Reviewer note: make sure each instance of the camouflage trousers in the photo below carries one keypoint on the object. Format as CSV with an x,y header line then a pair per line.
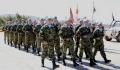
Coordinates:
x,y
87,47
99,46
32,38
15,38
27,40
11,37
57,46
5,36
20,38
38,43
48,50
68,43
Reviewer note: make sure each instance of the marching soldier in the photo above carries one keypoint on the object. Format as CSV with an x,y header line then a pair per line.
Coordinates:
x,y
99,44
27,29
85,43
33,37
8,31
67,33
5,33
47,36
37,32
14,27
57,38
20,34
11,35
77,38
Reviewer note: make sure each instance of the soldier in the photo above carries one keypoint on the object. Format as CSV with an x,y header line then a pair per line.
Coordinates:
x,y
4,29
8,31
37,32
77,38
14,27
85,43
92,30
11,35
67,33
5,32
33,38
20,33
99,44
27,29
47,36
57,38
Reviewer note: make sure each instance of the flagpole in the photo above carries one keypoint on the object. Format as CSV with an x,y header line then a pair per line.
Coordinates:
x,y
93,12
77,12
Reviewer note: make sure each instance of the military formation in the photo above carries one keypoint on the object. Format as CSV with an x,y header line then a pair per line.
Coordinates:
x,y
56,40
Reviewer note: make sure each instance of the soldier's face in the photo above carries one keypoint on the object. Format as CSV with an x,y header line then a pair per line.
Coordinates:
x,y
50,21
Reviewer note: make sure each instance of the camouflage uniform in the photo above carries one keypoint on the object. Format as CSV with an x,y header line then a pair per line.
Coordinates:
x,y
47,34
99,44
32,39
5,33
85,43
57,41
77,38
92,30
27,31
38,41
11,35
15,35
66,33
20,35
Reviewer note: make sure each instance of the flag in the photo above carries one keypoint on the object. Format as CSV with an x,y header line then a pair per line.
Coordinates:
x,y
71,18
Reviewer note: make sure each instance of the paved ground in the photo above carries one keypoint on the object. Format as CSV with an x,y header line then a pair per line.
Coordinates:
x,y
13,59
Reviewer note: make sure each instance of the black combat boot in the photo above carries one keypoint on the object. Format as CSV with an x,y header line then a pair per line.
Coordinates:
x,y
8,43
74,62
19,47
106,60
64,63
54,64
69,53
24,47
27,48
15,45
58,56
42,62
38,51
33,50
59,59
11,44
92,63
80,60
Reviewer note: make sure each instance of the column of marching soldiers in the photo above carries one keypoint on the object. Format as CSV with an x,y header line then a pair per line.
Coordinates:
x,y
53,39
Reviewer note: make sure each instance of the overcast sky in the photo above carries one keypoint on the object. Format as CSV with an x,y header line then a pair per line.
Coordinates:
x,y
60,8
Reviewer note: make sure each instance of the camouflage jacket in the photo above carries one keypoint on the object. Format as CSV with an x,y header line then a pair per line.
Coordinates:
x,y
48,32
66,32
